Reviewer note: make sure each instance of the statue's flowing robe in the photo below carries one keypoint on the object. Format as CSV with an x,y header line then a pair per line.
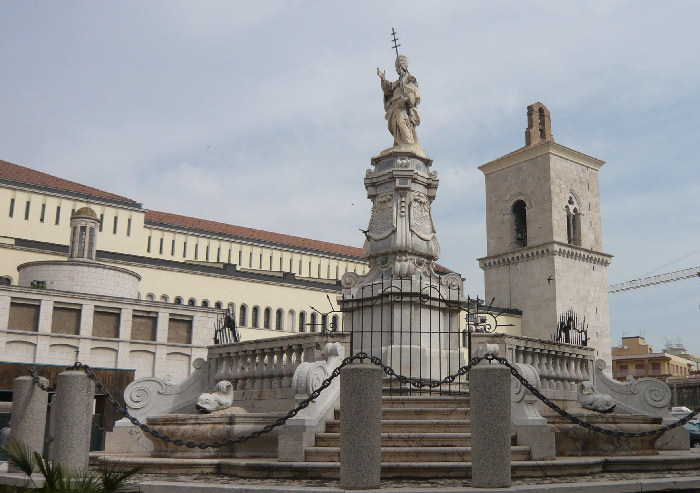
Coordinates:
x,y
402,116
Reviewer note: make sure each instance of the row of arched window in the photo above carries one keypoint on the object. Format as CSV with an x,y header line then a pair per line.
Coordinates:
x,y
259,318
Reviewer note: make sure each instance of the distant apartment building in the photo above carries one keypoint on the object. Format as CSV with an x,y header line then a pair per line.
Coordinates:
x,y
636,359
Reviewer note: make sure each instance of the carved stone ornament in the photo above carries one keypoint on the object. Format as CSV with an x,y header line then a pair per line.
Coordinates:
x,y
382,223
350,279
645,396
421,221
309,376
222,398
592,400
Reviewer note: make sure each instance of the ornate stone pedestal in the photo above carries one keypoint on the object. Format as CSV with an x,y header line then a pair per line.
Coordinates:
x,y
403,310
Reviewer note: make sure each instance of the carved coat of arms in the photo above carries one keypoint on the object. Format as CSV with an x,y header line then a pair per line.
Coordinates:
x,y
421,221
382,222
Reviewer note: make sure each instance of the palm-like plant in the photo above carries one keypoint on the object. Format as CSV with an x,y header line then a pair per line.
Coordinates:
x,y
111,477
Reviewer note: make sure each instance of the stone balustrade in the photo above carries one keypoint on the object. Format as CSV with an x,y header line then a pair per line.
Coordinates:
x,y
561,366
268,374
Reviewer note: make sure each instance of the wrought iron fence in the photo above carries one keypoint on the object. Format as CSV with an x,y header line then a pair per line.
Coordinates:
x,y
412,325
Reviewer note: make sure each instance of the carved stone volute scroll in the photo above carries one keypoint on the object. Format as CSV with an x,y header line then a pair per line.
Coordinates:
x,y
644,396
309,376
522,409
150,396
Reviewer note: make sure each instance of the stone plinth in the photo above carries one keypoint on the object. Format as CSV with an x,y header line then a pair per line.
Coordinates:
x,y
28,413
489,386
72,415
360,426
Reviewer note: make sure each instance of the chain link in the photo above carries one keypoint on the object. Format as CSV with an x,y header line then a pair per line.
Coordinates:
x,y
37,380
514,371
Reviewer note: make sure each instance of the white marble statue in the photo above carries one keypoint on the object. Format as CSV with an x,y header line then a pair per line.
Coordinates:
x,y
401,98
590,399
222,398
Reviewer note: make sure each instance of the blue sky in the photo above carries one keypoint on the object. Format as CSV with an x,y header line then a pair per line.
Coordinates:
x,y
266,114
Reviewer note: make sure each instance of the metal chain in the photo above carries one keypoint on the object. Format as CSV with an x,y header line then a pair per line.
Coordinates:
x,y
414,382
280,421
37,380
514,371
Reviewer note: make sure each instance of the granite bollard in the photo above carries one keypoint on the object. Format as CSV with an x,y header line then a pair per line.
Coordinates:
x,y
28,415
360,426
489,393
72,417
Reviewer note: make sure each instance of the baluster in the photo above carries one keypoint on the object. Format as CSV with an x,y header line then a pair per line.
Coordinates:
x,y
585,368
288,370
278,368
568,377
219,364
235,369
249,369
541,358
556,372
519,356
258,368
268,367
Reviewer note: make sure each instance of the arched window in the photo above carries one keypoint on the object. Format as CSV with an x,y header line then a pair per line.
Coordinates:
x,y
279,319
192,302
230,307
314,321
324,323
218,304
164,298
178,300
150,297
5,281
243,316
302,321
519,215
335,323
205,303
291,319
256,317
267,320
573,222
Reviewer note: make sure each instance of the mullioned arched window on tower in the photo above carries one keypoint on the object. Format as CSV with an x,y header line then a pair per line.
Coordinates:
x,y
573,222
519,230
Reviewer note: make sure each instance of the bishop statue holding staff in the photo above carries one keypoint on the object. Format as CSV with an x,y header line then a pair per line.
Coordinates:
x,y
400,100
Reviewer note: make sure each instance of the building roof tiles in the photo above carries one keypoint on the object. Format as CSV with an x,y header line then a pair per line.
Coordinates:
x,y
17,173
255,234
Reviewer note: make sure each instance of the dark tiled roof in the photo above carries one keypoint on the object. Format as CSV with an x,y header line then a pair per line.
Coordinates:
x,y
15,172
255,234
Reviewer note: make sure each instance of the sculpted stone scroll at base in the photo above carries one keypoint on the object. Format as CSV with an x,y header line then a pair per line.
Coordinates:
x,y
644,396
150,396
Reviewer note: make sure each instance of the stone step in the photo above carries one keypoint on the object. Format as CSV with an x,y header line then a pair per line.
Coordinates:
x,y
414,413
424,401
408,439
413,454
414,426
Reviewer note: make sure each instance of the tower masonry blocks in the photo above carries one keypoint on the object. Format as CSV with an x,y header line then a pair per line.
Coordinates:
x,y
544,235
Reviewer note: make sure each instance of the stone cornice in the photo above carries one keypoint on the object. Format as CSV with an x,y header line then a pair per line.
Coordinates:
x,y
540,149
554,248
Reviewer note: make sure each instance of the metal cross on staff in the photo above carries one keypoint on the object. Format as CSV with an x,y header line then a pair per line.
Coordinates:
x,y
401,69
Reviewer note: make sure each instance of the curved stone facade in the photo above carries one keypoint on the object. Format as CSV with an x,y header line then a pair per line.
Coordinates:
x,y
81,277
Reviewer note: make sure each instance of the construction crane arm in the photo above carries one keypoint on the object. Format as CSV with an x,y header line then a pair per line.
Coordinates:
x,y
652,280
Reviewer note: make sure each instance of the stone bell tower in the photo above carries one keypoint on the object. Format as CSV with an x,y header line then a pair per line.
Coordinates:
x,y
544,236
403,311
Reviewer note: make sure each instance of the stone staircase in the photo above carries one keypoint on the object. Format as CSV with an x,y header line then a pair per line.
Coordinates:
x,y
423,429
